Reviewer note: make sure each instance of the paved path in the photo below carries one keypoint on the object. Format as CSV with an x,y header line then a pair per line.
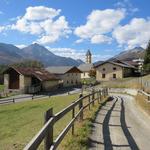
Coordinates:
x,y
26,97
120,125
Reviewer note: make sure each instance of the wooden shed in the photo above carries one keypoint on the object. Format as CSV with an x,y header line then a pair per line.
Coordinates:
x,y
29,80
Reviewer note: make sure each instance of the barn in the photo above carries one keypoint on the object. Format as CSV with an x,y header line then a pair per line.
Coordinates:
x,y
29,80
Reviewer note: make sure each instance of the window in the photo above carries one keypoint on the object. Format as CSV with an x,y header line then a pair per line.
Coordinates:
x,y
76,82
67,82
71,81
114,68
103,75
104,69
76,74
114,76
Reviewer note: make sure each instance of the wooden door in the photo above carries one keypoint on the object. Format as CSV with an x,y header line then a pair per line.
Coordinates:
x,y
13,79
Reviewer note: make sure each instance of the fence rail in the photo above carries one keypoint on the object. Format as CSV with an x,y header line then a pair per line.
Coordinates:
x,y
145,94
13,100
46,133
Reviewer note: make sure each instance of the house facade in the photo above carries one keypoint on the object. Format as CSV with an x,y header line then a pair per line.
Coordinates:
x,y
29,80
69,75
87,66
113,70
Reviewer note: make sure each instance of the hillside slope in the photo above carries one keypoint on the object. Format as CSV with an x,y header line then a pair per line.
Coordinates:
x,y
11,54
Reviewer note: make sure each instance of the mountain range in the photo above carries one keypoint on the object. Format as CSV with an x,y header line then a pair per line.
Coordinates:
x,y
129,55
11,54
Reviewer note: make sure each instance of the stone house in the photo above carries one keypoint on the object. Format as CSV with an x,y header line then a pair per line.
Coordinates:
x,y
69,75
86,67
29,80
111,70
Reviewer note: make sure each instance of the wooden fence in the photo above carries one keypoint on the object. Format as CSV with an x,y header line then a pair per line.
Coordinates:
x,y
46,133
15,99
143,100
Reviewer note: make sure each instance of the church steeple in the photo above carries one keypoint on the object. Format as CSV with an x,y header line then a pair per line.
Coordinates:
x,y
88,57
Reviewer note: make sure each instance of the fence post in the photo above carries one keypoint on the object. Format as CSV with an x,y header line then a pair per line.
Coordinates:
x,y
89,102
104,93
148,98
80,107
93,97
13,100
73,115
49,137
99,96
107,91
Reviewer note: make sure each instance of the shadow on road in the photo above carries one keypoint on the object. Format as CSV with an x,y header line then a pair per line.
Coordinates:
x,y
124,127
106,131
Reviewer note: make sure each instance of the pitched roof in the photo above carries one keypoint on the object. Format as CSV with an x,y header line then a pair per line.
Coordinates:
x,y
61,69
119,63
41,74
88,53
85,67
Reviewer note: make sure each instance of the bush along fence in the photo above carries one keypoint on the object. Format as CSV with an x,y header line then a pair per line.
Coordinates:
x,y
46,133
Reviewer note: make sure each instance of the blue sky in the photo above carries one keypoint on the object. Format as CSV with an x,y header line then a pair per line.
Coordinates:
x,y
68,28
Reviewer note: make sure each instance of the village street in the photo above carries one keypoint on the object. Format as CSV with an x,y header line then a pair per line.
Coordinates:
x,y
120,124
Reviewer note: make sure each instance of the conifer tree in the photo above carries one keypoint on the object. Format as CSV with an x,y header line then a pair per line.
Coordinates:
x,y
147,59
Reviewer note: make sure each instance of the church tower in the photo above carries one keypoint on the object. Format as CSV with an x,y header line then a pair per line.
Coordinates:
x,y
88,57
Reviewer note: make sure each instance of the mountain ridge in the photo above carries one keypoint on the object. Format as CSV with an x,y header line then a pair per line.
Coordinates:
x,y
12,54
129,55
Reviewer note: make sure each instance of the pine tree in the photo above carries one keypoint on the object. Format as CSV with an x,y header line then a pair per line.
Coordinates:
x,y
147,59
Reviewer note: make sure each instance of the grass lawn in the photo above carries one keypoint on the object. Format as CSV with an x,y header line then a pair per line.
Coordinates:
x,y
131,82
80,140
21,121
1,87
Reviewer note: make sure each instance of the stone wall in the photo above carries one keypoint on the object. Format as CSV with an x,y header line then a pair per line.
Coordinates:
x,y
85,75
49,85
6,80
108,72
71,79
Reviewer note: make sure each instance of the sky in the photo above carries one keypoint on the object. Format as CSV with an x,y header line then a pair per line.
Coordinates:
x,y
70,27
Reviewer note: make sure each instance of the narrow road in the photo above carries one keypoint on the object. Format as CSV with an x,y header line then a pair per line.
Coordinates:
x,y
120,125
27,97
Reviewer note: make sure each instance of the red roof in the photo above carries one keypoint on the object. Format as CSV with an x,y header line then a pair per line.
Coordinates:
x,y
41,74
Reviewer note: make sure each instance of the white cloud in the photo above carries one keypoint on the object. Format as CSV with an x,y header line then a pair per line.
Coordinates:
x,y
127,5
69,52
54,30
41,13
136,33
77,54
79,41
2,28
96,39
42,21
99,23
21,46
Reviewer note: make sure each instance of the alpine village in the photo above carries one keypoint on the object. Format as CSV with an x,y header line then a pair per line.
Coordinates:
x,y
94,95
